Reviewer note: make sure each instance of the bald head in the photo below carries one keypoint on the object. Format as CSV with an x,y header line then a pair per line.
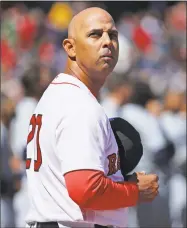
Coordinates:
x,y
92,45
84,17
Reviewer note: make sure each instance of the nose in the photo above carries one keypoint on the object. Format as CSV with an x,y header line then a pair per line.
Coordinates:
x,y
107,42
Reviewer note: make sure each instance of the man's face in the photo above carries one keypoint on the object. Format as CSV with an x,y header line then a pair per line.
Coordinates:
x,y
96,45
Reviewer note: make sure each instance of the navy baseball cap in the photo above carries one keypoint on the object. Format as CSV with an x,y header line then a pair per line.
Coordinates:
x,y
129,144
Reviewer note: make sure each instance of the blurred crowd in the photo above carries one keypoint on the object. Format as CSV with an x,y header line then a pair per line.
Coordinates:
x,y
147,88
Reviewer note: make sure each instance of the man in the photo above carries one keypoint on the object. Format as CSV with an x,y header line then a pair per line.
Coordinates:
x,y
158,152
72,156
10,166
174,125
19,131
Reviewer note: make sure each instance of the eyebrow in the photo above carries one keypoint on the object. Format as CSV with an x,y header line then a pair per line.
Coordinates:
x,y
113,31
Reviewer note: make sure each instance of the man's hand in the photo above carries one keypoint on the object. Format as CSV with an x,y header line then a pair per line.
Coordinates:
x,y
148,186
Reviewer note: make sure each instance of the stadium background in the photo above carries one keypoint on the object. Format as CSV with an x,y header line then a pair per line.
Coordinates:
x,y
147,87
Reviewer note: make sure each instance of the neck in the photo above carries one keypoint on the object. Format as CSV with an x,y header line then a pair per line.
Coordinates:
x,y
74,70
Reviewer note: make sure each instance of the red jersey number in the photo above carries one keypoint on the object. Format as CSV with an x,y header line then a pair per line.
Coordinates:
x,y
35,121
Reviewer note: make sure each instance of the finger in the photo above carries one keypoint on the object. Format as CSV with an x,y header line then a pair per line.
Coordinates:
x,y
142,172
155,177
153,194
150,197
155,185
149,186
150,191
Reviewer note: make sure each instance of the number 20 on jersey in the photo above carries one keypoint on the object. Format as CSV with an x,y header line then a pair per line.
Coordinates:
x,y
36,123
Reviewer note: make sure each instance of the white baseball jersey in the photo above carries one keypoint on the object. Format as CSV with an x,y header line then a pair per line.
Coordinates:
x,y
68,131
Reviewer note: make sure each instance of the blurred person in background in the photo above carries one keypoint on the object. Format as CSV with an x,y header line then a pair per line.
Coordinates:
x,y
34,83
174,124
10,166
173,121
119,90
142,112
170,72
24,109
154,107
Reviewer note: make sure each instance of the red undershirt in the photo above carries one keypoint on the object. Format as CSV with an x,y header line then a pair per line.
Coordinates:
x,y
91,189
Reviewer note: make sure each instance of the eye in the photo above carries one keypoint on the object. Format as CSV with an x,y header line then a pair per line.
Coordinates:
x,y
95,34
113,36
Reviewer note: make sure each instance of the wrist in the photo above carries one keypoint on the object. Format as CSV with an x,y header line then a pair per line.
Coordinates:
x,y
132,178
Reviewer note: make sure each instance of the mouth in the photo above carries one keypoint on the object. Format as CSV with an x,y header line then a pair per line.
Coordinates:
x,y
107,56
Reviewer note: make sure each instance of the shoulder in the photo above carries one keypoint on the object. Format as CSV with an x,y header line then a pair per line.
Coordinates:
x,y
68,88
88,109
73,99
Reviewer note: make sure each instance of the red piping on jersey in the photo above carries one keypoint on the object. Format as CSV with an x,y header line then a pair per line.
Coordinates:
x,y
67,83
91,189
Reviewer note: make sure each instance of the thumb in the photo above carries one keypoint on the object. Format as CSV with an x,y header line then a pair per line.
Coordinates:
x,y
141,173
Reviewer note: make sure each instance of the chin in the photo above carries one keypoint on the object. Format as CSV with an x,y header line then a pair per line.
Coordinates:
x,y
107,68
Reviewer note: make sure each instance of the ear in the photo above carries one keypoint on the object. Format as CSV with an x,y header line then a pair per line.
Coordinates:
x,y
69,46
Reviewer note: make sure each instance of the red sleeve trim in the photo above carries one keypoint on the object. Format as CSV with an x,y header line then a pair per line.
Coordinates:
x,y
91,189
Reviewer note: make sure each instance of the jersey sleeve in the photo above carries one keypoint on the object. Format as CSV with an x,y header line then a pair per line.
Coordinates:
x,y
81,140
